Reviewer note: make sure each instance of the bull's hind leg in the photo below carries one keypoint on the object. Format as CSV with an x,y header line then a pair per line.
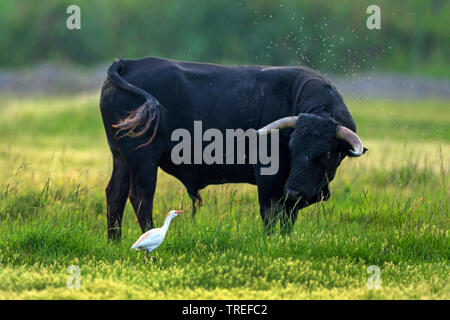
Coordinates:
x,y
196,199
143,184
116,196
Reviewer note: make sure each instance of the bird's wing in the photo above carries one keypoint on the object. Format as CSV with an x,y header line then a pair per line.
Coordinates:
x,y
152,242
150,238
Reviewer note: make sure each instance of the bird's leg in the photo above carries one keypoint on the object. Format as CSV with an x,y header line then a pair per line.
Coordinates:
x,y
149,257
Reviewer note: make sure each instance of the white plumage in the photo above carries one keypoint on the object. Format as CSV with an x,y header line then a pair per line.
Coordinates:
x,y
153,238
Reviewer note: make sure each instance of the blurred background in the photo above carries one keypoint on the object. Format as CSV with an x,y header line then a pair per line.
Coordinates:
x,y
407,58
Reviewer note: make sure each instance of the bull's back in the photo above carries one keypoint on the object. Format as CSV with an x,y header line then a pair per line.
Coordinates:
x,y
220,96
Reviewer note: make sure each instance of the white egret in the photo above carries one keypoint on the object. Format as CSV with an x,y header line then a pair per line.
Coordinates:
x,y
153,238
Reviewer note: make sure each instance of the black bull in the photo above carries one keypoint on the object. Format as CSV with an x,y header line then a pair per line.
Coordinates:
x,y
143,101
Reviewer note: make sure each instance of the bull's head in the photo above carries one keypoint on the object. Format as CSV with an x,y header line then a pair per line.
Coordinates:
x,y
317,146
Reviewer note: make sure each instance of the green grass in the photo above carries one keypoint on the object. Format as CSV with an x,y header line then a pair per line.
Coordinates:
x,y
388,208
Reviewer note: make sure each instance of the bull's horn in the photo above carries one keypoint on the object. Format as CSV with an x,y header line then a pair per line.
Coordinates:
x,y
352,138
288,122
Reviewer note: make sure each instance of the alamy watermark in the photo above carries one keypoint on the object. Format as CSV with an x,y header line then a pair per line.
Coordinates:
x,y
235,139
374,281
73,21
74,280
374,20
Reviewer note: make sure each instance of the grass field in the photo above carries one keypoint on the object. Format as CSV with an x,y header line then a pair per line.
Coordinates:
x,y
388,208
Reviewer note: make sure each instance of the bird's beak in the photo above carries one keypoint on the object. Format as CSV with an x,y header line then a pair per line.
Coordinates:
x,y
179,211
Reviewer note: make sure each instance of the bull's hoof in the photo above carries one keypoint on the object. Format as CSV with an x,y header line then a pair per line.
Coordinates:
x,y
114,236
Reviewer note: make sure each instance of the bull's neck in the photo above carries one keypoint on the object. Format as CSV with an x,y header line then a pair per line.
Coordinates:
x,y
304,98
322,105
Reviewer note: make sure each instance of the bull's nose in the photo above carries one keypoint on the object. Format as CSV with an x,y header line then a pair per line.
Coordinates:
x,y
292,194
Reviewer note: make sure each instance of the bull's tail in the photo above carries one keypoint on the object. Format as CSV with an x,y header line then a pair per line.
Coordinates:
x,y
140,120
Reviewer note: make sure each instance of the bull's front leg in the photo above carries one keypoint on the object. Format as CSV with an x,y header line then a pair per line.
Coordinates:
x,y
271,195
271,206
291,208
281,210
269,217
288,217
